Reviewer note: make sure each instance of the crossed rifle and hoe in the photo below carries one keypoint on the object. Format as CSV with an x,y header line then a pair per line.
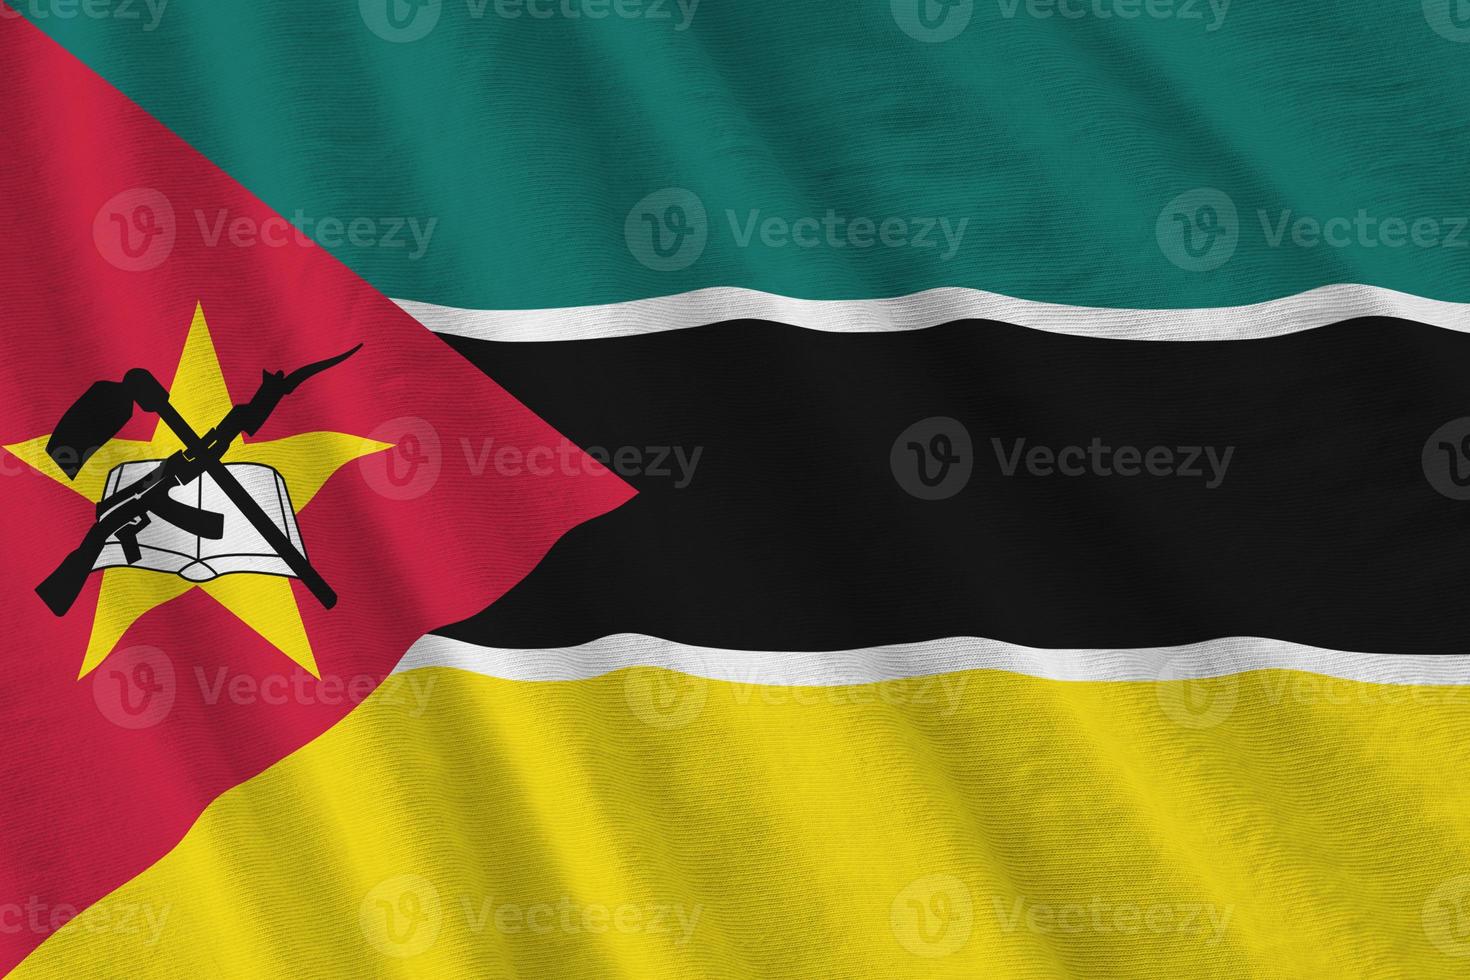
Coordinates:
x,y
99,415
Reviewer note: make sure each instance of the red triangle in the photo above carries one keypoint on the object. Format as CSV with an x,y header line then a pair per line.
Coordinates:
x,y
87,803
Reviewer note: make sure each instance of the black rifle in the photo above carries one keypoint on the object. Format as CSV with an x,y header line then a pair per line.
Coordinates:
x,y
101,413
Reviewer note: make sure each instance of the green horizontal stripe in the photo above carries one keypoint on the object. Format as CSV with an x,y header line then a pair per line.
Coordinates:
x,y
1050,145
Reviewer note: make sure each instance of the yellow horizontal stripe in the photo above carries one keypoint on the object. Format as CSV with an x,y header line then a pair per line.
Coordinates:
x,y
646,824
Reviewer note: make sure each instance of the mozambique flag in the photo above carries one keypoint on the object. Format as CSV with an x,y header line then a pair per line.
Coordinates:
x,y
667,489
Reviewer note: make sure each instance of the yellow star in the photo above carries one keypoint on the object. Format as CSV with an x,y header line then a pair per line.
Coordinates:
x,y
265,603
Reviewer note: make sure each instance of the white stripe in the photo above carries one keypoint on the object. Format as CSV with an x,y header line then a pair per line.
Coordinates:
x,y
1214,658
1304,311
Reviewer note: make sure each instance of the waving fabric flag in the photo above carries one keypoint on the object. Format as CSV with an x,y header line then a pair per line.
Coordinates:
x,y
1051,441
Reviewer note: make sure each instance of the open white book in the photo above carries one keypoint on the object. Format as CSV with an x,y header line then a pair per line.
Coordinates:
x,y
169,549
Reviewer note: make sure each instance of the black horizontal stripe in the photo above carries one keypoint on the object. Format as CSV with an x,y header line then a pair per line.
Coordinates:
x,y
794,532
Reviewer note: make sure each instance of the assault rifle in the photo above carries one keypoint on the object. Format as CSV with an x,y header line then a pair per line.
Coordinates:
x,y
96,419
